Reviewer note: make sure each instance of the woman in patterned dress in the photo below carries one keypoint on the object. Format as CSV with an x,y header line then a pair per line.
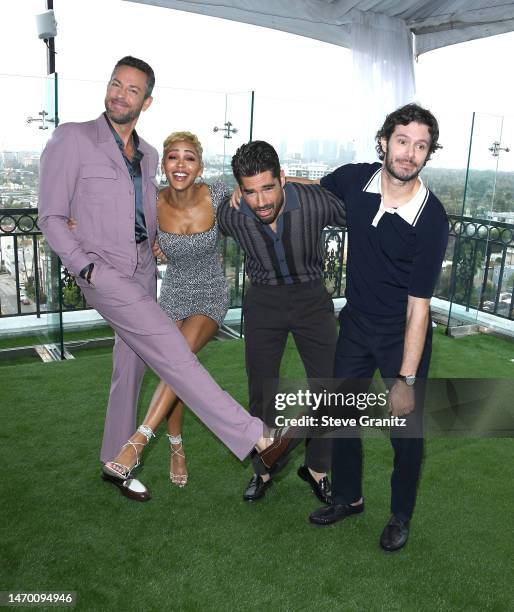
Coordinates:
x,y
194,291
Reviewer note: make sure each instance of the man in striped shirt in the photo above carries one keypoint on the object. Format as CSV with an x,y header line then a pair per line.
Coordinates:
x,y
279,226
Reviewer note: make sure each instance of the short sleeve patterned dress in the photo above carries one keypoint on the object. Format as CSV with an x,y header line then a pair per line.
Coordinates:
x,y
194,282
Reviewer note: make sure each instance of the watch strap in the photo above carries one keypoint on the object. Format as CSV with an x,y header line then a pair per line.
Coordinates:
x,y
410,379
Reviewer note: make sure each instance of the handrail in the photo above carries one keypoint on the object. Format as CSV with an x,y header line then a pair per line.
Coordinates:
x,y
479,276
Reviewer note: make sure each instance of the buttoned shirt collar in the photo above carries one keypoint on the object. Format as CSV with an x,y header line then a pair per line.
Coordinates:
x,y
409,211
138,155
291,202
134,169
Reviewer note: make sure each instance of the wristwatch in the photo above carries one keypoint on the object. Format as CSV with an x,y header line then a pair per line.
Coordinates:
x,y
409,380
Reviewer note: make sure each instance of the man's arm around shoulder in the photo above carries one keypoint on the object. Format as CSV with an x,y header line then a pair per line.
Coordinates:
x,y
329,205
59,171
301,180
225,213
338,181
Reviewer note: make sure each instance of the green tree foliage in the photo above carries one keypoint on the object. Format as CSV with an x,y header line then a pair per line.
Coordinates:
x,y
448,185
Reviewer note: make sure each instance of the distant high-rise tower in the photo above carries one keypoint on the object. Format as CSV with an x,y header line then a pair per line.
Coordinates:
x,y
329,151
346,153
10,158
282,150
311,150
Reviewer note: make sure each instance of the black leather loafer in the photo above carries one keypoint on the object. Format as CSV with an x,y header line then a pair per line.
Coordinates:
x,y
256,488
395,535
321,489
334,513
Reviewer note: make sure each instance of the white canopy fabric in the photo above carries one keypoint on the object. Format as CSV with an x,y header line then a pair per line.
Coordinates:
x,y
383,74
383,35
435,24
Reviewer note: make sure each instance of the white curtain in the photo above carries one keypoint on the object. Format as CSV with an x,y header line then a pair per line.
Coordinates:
x,y
383,75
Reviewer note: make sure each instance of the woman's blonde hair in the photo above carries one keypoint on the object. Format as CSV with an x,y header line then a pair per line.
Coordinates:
x,y
179,136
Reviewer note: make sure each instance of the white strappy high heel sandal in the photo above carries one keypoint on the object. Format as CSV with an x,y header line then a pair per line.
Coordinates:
x,y
123,472
177,479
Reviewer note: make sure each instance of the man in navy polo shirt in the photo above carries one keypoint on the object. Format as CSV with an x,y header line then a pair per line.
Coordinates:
x,y
397,233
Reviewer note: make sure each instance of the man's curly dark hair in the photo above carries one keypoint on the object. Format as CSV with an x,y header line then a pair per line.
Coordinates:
x,y
253,158
403,116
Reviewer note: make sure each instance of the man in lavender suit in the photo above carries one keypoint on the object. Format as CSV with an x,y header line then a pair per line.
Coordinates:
x,y
103,175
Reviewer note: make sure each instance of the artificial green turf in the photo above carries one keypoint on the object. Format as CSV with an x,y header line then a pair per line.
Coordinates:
x,y
479,356
202,547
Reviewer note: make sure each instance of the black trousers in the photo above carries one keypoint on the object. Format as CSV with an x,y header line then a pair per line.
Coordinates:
x,y
363,346
270,313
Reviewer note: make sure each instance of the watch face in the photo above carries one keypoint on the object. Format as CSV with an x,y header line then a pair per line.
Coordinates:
x,y
410,380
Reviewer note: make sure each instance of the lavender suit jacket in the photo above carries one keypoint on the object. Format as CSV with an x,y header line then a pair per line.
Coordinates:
x,y
83,175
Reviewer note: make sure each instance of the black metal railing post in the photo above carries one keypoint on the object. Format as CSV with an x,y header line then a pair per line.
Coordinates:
x,y
37,284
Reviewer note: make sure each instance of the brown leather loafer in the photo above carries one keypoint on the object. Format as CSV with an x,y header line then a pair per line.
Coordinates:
x,y
274,457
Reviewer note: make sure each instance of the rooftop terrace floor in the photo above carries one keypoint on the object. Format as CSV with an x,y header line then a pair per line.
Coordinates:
x,y
202,547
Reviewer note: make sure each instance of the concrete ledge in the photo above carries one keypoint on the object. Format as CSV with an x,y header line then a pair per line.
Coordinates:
x,y
88,319
74,345
463,330
461,316
19,351
80,345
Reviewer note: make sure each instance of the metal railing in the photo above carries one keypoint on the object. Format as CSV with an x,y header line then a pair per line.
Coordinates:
x,y
23,256
479,266
478,271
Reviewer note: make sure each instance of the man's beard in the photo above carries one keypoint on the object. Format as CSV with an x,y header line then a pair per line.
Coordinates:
x,y
401,177
122,119
274,218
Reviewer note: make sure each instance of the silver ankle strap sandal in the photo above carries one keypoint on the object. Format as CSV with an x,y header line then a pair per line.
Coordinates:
x,y
121,471
177,479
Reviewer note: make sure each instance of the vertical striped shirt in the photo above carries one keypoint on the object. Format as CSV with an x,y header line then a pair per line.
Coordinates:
x,y
294,253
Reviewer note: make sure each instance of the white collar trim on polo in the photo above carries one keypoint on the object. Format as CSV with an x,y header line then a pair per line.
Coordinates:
x,y
410,211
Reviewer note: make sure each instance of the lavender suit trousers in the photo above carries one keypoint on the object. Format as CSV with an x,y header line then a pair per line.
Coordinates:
x,y
146,335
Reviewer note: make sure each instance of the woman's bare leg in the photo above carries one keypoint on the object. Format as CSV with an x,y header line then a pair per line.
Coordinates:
x,y
178,468
197,330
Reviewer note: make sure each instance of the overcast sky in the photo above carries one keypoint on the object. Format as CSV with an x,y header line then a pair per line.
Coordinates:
x,y
302,85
